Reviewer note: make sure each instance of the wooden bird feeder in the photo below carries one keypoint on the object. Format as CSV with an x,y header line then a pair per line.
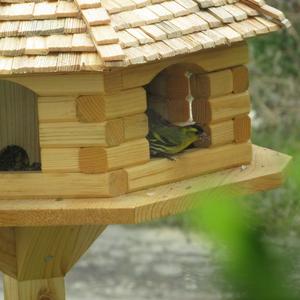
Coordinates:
x,y
76,80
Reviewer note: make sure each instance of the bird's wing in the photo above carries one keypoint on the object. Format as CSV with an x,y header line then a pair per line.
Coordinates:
x,y
172,135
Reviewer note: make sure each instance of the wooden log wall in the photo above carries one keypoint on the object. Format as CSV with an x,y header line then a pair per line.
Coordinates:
x,y
18,119
221,101
93,140
189,164
86,141
222,104
93,134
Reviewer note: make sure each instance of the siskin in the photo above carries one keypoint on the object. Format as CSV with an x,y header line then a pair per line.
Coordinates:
x,y
166,139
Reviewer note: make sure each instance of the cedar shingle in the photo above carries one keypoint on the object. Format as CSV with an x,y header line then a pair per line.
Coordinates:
x,y
74,35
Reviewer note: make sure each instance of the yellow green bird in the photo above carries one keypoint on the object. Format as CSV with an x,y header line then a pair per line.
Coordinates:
x,y
166,139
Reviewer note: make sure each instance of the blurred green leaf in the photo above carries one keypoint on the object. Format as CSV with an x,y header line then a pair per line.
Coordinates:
x,y
249,265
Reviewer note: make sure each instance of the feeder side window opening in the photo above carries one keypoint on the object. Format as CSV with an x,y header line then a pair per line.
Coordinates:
x,y
19,138
170,114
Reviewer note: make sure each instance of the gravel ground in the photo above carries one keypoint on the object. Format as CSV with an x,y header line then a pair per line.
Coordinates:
x,y
151,263
142,263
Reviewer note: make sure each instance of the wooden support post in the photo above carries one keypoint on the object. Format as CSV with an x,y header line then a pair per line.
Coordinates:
x,y
35,260
41,289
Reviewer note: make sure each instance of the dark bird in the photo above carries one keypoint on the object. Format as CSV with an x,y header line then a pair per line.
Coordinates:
x,y
14,158
166,139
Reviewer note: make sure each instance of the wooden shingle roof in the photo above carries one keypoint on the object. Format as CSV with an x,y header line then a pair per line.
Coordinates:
x,y
91,35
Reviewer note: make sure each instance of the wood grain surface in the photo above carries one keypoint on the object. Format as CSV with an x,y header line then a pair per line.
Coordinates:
x,y
265,172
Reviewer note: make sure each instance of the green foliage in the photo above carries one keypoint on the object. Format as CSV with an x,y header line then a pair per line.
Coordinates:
x,y
277,54
250,266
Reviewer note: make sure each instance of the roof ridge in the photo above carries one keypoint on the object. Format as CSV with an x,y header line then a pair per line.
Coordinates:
x,y
102,33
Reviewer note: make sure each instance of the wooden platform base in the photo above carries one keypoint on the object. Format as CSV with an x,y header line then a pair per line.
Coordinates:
x,y
40,240
265,172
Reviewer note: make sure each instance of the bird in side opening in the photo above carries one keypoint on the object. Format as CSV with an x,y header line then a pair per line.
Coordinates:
x,y
167,139
15,158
